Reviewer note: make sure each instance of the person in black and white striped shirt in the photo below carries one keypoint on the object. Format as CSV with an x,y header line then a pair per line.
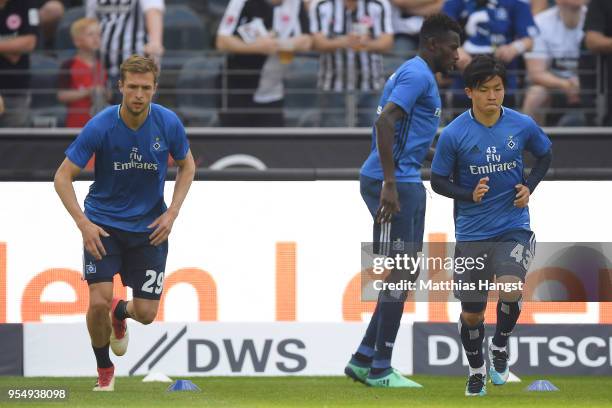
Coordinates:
x,y
253,80
128,27
351,35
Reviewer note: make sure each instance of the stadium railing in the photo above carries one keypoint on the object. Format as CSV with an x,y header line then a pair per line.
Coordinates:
x,y
192,83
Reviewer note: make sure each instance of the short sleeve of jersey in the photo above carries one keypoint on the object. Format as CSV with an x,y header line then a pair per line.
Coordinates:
x,y
152,4
444,159
524,26
85,145
538,144
408,87
595,17
230,19
453,8
179,145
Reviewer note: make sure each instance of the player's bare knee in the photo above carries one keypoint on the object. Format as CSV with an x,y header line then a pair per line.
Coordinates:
x,y
148,316
472,318
99,306
145,314
100,297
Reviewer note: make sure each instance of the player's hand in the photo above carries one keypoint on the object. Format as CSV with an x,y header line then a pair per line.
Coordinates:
x,y
91,239
522,196
480,190
163,227
266,45
389,203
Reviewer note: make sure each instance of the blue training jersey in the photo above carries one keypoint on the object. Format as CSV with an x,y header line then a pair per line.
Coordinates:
x,y
412,87
469,151
130,167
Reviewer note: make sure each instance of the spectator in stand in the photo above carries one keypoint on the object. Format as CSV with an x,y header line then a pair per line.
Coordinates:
x,y
50,12
598,39
350,35
1,105
83,78
407,19
553,63
503,28
128,27
18,29
260,37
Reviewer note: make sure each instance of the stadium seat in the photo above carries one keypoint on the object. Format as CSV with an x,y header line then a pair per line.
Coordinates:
x,y
46,111
301,92
198,91
184,30
63,41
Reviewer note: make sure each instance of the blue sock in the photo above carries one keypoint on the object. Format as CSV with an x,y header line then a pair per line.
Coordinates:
x,y
365,351
391,310
472,338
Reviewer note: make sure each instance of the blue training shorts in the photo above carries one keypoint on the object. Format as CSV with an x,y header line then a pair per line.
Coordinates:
x,y
140,264
507,254
404,234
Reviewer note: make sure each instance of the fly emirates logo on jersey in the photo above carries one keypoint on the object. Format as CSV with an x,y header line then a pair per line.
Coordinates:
x,y
494,161
134,163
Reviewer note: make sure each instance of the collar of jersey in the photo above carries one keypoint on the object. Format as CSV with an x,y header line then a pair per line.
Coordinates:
x,y
501,115
124,124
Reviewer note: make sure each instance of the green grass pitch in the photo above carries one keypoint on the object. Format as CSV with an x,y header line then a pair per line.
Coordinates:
x,y
316,392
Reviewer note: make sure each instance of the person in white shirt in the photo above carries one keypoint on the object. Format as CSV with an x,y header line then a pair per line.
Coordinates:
x,y
552,66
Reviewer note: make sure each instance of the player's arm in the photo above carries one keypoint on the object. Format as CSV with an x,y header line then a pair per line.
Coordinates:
x,y
385,136
444,186
64,176
184,177
442,166
539,145
538,171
